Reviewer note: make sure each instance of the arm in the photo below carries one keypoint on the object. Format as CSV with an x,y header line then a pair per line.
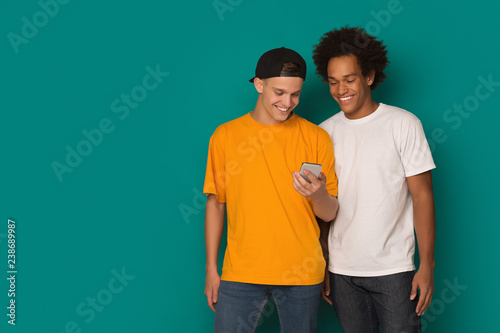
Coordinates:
x,y
420,187
324,228
214,226
324,205
325,208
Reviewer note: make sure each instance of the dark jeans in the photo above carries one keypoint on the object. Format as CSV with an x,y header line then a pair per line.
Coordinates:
x,y
363,303
240,307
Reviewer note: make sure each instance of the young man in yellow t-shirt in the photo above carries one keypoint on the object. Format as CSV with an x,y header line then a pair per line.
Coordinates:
x,y
273,247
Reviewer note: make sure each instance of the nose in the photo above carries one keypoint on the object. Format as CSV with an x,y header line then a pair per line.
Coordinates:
x,y
287,101
342,88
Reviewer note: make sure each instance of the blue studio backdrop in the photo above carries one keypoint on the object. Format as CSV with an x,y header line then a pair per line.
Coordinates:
x,y
106,112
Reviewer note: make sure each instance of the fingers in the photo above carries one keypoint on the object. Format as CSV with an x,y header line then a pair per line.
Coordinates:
x,y
326,288
418,310
211,299
215,297
424,302
326,298
426,286
325,291
302,186
314,180
322,177
212,284
300,180
414,288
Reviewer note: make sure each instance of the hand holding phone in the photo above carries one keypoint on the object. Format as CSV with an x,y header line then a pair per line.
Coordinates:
x,y
315,169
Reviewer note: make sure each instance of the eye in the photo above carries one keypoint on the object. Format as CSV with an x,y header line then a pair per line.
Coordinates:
x,y
279,93
296,95
333,83
350,81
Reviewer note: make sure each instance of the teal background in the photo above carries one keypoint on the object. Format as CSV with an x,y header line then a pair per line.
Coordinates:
x,y
120,208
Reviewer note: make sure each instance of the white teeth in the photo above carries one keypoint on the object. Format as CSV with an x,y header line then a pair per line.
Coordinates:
x,y
282,109
343,99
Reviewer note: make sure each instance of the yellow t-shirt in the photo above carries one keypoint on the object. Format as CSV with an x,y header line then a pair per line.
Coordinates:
x,y
272,233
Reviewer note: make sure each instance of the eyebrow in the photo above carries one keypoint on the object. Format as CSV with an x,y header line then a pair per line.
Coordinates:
x,y
282,90
345,76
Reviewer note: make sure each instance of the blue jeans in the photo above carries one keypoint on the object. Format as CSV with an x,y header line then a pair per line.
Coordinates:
x,y
364,303
240,307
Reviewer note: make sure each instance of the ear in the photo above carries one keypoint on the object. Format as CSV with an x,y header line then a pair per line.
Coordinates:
x,y
259,85
370,78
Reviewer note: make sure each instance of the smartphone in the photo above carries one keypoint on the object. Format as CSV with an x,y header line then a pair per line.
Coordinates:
x,y
315,169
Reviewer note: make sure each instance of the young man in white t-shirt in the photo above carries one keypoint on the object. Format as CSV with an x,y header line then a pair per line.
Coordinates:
x,y
383,164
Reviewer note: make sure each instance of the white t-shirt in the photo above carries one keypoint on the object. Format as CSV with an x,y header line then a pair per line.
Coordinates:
x,y
373,233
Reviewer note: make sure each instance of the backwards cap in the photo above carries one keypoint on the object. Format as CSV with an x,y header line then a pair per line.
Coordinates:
x,y
271,62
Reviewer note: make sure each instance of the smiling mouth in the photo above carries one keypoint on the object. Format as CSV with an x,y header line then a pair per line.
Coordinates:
x,y
282,109
345,99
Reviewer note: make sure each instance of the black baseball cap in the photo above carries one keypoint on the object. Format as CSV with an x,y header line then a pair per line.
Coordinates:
x,y
271,62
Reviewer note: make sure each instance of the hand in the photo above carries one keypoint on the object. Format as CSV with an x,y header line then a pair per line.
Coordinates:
x,y
325,291
314,190
423,280
212,284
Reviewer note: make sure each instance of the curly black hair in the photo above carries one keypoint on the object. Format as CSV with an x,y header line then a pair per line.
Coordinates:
x,y
371,53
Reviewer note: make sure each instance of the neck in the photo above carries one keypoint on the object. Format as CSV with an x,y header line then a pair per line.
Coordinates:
x,y
367,109
260,115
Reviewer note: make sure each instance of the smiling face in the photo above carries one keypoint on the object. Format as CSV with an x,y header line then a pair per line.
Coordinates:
x,y
278,96
350,88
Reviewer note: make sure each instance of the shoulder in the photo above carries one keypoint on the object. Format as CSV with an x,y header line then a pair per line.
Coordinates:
x,y
225,129
329,123
313,130
399,115
306,124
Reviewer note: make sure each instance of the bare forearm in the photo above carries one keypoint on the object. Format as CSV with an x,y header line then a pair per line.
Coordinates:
x,y
420,187
214,226
425,228
324,228
326,207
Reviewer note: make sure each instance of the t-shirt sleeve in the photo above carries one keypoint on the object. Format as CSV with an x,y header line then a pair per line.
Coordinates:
x,y
215,174
327,160
415,152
